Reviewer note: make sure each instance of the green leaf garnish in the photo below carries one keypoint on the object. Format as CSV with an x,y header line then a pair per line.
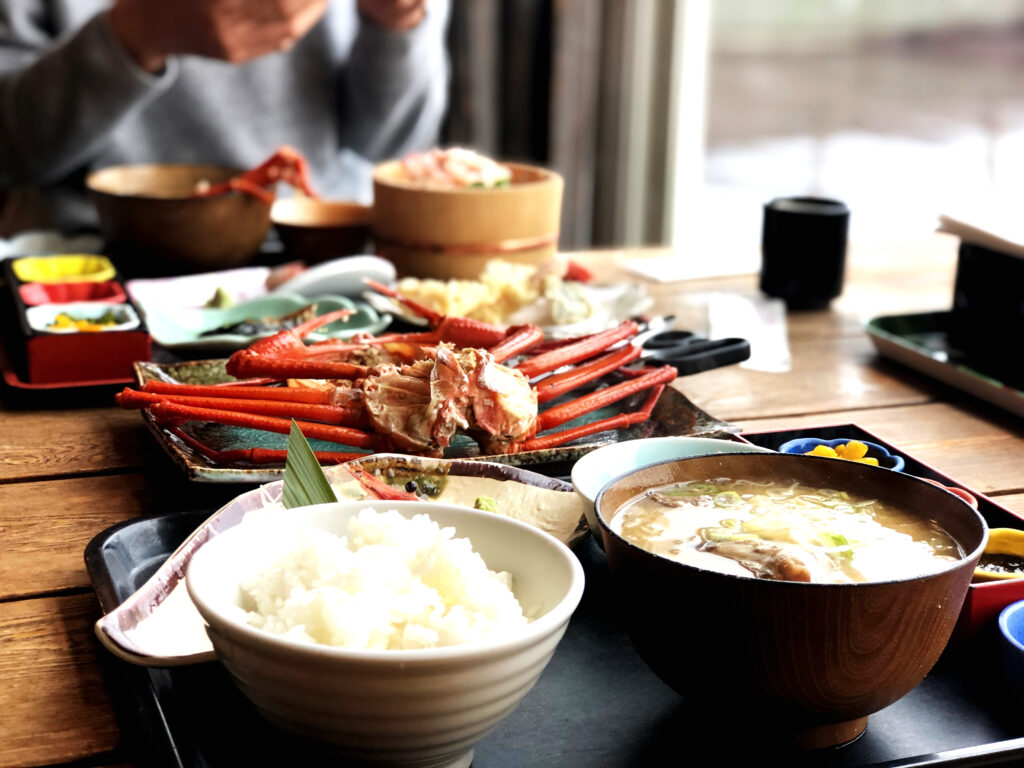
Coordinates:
x,y
304,480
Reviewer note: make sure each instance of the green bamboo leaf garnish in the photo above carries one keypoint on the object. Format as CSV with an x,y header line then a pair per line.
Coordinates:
x,y
304,480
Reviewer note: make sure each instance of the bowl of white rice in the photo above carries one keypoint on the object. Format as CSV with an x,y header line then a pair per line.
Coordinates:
x,y
399,633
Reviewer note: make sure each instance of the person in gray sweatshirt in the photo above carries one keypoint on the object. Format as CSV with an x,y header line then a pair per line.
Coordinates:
x,y
86,84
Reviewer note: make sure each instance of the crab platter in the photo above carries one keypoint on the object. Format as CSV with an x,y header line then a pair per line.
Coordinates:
x,y
463,388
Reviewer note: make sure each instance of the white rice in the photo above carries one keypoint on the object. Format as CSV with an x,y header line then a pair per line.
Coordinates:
x,y
391,583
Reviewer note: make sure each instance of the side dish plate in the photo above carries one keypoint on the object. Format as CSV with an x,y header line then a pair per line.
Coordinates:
x,y
158,625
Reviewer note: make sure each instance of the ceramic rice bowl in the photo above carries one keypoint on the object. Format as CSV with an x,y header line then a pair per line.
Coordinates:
x,y
390,707
800,663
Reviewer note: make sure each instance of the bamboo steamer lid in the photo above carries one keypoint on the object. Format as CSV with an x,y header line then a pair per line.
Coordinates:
x,y
452,233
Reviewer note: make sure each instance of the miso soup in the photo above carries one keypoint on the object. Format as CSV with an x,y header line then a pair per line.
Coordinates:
x,y
784,530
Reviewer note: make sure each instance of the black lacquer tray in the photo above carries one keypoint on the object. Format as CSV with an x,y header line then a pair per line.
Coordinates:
x,y
596,704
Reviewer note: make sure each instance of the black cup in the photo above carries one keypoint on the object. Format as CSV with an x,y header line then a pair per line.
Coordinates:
x,y
803,250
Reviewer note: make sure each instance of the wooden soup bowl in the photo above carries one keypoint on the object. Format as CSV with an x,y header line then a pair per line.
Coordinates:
x,y
810,662
154,225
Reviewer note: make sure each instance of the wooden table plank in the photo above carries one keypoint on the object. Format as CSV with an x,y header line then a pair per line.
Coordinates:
x,y
51,443
55,704
836,374
45,526
980,448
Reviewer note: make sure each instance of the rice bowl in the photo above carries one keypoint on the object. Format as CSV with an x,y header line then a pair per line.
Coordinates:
x,y
425,706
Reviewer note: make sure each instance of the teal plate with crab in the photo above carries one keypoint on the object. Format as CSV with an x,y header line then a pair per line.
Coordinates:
x,y
673,414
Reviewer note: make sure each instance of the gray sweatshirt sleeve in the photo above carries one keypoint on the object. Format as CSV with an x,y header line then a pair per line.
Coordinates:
x,y
59,99
394,87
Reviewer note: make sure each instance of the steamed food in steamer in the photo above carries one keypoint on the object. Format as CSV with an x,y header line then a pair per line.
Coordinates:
x,y
784,530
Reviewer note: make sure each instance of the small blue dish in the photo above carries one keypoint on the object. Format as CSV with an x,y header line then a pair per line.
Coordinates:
x,y
803,445
1011,628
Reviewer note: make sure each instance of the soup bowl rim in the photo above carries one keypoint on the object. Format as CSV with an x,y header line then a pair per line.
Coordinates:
x,y
782,583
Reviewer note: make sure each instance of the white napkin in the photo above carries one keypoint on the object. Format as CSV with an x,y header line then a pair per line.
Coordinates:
x,y
990,224
758,319
678,266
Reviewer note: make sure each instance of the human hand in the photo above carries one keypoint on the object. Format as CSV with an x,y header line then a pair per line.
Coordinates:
x,y
394,14
231,30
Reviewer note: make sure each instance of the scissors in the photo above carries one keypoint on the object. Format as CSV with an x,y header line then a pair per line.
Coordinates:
x,y
688,352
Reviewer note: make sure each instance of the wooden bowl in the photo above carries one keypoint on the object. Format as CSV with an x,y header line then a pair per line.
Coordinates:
x,y
452,233
806,662
153,226
319,230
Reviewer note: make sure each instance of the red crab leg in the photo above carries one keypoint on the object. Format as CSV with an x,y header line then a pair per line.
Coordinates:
x,y
289,394
586,347
520,339
284,354
286,164
621,421
259,455
558,384
238,184
461,331
432,317
172,413
602,397
376,487
330,414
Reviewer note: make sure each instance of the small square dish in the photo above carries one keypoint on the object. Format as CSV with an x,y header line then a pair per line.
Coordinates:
x,y
109,291
81,317
65,268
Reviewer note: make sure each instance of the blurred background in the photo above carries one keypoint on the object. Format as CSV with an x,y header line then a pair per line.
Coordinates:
x,y
673,122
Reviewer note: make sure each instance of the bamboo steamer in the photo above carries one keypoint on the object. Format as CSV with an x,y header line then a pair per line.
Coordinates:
x,y
452,233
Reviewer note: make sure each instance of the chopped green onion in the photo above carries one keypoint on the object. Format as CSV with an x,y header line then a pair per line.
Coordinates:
x,y
727,499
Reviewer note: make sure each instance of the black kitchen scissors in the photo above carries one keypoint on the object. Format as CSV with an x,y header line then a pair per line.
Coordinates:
x,y
688,352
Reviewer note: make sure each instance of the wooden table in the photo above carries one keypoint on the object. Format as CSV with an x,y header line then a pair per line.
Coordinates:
x,y
71,467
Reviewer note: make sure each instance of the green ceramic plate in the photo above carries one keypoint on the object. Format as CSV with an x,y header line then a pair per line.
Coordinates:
x,y
182,330
673,414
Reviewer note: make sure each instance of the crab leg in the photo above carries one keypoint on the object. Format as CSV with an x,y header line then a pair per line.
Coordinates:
x,y
349,417
432,317
621,421
520,339
463,331
172,413
558,384
259,455
329,396
586,347
285,355
560,414
378,488
286,164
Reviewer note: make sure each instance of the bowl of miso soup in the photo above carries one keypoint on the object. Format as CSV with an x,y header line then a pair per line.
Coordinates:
x,y
791,596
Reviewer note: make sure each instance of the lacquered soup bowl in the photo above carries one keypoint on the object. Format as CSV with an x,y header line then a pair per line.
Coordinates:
x,y
801,663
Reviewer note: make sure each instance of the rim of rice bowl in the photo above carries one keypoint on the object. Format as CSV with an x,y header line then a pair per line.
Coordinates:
x,y
526,635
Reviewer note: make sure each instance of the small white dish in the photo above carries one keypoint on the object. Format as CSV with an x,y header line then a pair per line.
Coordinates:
x,y
598,468
341,277
42,316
